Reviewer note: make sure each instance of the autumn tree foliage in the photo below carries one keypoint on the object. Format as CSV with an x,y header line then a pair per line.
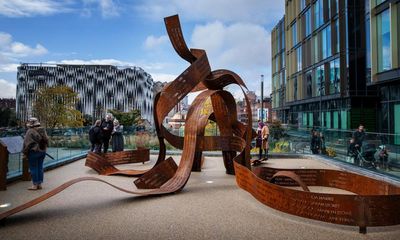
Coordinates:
x,y
55,107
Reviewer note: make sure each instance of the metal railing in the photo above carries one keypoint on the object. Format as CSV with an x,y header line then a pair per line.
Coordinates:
x,y
72,143
379,152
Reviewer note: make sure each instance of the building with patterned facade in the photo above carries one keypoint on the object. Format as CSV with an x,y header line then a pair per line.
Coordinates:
x,y
99,87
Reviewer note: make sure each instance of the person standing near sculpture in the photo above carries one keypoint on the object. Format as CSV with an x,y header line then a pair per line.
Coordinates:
x,y
265,142
107,127
259,139
95,137
117,138
34,148
315,143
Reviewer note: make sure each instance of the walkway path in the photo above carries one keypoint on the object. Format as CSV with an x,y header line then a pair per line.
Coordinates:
x,y
211,206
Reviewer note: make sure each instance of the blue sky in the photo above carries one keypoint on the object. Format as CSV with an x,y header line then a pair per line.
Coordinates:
x,y
235,34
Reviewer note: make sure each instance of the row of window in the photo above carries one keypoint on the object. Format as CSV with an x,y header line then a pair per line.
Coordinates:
x,y
312,19
330,119
314,50
323,80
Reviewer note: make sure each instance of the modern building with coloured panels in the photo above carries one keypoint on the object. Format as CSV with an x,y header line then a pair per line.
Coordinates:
x,y
99,87
384,66
325,50
279,71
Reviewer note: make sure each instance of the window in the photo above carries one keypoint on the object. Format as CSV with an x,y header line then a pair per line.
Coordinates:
x,y
309,84
335,6
304,119
307,23
320,81
383,40
377,2
299,56
337,45
344,119
295,88
397,126
318,14
336,119
328,120
302,4
283,35
326,42
294,34
368,50
334,83
315,48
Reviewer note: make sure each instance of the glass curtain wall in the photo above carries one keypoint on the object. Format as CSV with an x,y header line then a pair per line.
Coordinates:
x,y
383,40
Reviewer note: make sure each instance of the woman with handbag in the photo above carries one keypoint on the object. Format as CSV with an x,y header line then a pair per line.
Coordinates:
x,y
34,148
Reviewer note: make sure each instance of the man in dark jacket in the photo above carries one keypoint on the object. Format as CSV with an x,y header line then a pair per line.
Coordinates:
x,y
107,127
95,137
359,136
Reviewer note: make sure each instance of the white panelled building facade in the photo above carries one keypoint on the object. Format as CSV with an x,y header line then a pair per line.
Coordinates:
x,y
99,87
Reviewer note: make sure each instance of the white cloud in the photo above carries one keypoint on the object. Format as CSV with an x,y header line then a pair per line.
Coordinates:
x,y
11,52
255,11
21,50
5,39
163,77
108,8
11,49
28,8
8,90
152,42
10,67
240,47
110,61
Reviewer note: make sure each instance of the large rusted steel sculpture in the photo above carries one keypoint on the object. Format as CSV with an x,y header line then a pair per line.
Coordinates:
x,y
376,203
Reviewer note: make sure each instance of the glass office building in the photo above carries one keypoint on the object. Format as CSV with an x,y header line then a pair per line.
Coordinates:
x,y
385,63
325,51
279,71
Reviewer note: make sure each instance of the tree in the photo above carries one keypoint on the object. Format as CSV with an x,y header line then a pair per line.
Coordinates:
x,y
55,107
8,117
87,120
127,118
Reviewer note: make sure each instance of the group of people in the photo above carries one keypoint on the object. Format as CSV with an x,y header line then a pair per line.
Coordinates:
x,y
317,142
36,142
262,140
102,132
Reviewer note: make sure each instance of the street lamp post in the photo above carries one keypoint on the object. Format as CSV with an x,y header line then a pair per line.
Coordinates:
x,y
262,97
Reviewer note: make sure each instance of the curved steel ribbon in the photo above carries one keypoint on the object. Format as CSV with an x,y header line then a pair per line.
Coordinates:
x,y
377,202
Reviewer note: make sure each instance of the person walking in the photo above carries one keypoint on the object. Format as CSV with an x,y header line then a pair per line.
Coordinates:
x,y
265,142
117,140
34,148
323,144
107,127
95,137
358,136
259,139
315,143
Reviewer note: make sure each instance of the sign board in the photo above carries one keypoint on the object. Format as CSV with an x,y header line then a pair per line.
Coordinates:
x,y
264,114
14,144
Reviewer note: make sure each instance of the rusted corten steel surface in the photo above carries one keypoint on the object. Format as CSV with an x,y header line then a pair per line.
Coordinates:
x,y
104,163
376,203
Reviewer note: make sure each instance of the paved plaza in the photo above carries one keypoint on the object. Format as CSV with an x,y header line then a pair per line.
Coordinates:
x,y
211,206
